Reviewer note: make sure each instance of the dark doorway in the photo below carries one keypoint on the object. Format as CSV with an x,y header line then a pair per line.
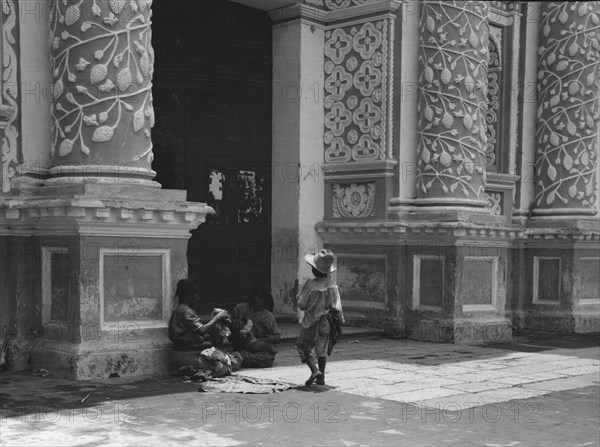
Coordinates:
x,y
212,99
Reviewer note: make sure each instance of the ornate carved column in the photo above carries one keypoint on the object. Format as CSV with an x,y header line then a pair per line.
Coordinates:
x,y
102,62
108,223
453,59
9,92
566,159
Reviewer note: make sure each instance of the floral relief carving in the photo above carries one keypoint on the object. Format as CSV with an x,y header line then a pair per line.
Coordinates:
x,y
494,74
357,88
333,5
452,130
102,62
494,203
353,200
566,162
10,93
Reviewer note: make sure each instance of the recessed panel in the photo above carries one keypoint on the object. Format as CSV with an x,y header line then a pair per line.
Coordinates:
x,y
361,281
478,283
133,287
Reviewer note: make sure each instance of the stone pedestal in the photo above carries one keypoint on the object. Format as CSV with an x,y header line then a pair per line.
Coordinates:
x,y
443,281
96,274
556,280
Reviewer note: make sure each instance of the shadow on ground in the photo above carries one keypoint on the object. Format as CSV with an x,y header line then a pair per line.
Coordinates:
x,y
21,393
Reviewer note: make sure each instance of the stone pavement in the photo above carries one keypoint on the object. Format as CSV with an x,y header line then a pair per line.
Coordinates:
x,y
441,374
535,392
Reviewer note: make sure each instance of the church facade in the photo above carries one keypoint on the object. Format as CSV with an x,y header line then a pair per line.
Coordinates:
x,y
447,152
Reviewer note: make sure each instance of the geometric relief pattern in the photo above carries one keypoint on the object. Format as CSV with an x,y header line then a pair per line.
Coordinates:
x,y
11,151
452,107
566,161
357,91
354,200
102,64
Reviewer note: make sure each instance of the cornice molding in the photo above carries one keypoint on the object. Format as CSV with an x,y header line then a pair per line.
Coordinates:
x,y
417,232
100,216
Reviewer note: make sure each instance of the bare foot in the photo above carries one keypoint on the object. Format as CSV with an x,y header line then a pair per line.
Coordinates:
x,y
312,378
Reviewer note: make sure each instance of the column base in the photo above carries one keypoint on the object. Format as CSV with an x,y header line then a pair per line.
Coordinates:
x,y
101,360
400,205
101,174
563,322
460,331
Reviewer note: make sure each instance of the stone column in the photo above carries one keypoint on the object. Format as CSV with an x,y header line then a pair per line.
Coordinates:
x,y
102,63
104,251
452,104
566,159
528,113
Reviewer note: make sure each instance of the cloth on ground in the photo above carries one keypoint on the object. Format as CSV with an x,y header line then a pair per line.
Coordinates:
x,y
261,359
246,385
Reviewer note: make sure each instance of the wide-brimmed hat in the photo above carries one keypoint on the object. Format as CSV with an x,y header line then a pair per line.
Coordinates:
x,y
323,261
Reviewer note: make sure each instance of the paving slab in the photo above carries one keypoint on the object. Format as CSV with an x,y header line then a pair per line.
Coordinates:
x,y
429,393
473,400
568,383
476,387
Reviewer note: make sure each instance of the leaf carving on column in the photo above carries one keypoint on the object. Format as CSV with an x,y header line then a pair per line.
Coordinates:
x,y
452,107
566,161
105,66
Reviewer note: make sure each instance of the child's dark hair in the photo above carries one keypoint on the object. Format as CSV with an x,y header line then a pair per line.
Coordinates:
x,y
319,274
186,288
267,298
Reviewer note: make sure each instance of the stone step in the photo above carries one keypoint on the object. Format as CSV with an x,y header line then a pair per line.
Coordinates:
x,y
288,327
289,332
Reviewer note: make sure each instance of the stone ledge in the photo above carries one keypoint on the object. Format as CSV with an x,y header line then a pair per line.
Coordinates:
x,y
101,210
406,228
457,229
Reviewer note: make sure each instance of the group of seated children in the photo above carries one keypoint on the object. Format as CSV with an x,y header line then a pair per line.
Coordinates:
x,y
252,327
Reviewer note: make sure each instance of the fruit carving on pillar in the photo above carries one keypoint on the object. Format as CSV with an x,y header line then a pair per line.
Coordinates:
x,y
102,63
452,106
566,158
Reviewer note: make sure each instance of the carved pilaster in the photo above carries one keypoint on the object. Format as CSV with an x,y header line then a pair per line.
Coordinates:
x,y
10,94
361,107
358,125
453,61
566,159
102,62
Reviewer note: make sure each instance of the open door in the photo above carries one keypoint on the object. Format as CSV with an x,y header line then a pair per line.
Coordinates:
x,y
212,97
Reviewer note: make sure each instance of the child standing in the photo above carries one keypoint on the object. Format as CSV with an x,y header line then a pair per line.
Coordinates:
x,y
320,302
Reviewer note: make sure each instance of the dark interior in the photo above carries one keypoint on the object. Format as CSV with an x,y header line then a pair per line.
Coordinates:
x,y
212,98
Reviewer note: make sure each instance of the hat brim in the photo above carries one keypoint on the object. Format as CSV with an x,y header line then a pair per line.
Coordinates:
x,y
310,259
